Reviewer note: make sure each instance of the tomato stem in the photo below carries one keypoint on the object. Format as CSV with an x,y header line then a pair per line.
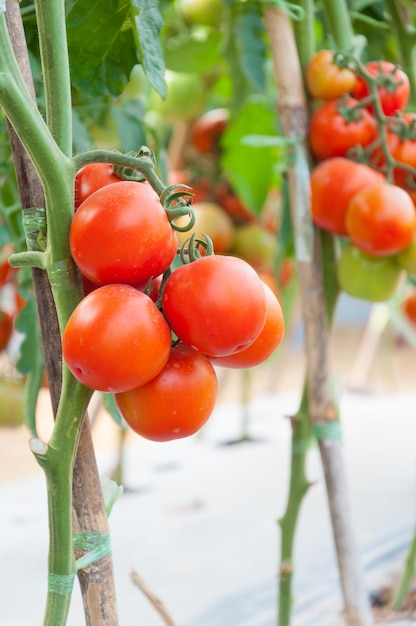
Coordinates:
x,y
406,41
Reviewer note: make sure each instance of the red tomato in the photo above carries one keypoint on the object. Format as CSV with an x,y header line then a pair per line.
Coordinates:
x,y
5,268
232,203
394,94
265,344
92,177
177,402
405,153
121,234
325,80
6,328
409,307
381,219
215,304
207,130
330,135
116,339
333,183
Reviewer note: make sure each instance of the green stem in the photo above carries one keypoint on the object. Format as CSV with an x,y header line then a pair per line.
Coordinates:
x,y
298,486
339,23
50,17
304,33
406,42
403,587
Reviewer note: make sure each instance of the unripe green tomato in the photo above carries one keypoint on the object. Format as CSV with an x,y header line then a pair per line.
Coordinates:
x,y
256,245
185,96
366,277
134,87
406,259
12,393
206,12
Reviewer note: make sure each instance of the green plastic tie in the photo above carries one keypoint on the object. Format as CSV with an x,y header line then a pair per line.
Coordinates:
x,y
61,584
96,545
34,225
327,430
63,275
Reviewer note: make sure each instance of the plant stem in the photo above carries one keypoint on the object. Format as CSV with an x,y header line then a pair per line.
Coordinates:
x,y
403,587
339,23
50,17
406,42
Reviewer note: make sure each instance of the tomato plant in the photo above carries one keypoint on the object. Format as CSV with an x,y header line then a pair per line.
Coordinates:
x,y
92,177
334,182
325,80
381,219
177,402
393,90
266,343
367,277
121,234
105,353
227,316
331,135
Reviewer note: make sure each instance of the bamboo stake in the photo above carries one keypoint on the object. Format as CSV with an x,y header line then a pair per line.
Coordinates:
x,y
321,407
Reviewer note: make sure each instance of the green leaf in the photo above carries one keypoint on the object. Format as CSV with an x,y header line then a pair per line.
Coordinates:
x,y
111,493
194,51
251,170
128,119
82,140
101,45
148,23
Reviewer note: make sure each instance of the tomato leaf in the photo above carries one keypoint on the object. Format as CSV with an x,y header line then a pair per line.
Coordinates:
x,y
101,45
251,170
148,23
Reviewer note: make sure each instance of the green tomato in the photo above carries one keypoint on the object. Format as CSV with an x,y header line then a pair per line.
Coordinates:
x,y
134,87
185,96
12,395
256,245
366,277
406,259
206,12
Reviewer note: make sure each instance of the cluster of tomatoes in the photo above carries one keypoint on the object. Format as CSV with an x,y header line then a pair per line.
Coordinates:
x,y
157,318
369,205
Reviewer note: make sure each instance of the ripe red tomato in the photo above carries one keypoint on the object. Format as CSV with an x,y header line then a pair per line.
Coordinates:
x,y
330,135
215,304
409,307
381,219
333,183
394,95
116,339
405,153
6,328
232,203
366,277
265,344
5,268
121,234
177,402
207,130
92,177
325,80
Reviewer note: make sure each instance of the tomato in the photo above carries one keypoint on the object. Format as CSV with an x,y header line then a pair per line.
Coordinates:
x,y
6,328
330,135
394,93
265,344
405,153
234,206
121,234
206,12
207,130
177,402
5,268
211,220
381,219
92,177
409,307
256,245
325,80
152,287
406,259
116,339
367,277
215,304
12,401
333,184
185,96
